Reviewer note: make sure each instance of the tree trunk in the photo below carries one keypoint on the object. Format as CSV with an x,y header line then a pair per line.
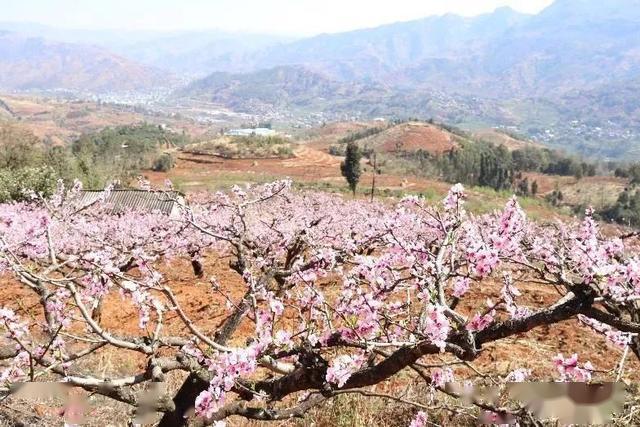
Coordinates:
x,y
184,401
185,398
198,270
373,181
635,341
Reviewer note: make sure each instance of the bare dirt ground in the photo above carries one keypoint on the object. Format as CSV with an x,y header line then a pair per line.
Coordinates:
x,y
533,350
206,307
418,136
595,191
412,136
314,167
310,165
60,121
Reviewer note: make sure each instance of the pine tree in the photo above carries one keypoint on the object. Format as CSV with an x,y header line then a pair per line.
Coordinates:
x,y
350,168
523,187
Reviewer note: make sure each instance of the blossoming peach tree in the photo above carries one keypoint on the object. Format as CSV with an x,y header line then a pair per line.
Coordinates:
x,y
339,296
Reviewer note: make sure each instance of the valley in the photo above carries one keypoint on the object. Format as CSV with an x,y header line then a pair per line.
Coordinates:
x,y
571,87
372,222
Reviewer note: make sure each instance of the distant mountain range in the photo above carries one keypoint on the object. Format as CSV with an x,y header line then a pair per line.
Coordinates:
x,y
568,76
572,44
34,63
291,88
188,53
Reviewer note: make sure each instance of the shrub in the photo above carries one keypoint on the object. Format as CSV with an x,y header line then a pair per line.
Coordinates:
x,y
626,210
337,150
164,163
15,185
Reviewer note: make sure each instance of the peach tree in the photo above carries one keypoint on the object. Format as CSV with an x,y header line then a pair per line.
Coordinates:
x,y
338,296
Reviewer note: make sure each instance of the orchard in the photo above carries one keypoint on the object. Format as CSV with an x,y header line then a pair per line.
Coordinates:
x,y
337,297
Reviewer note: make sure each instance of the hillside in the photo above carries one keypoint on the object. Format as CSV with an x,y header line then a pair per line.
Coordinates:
x,y
299,90
372,54
60,122
572,44
279,88
410,137
498,137
566,77
28,63
576,60
191,53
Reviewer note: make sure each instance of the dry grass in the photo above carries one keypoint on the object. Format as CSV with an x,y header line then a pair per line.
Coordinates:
x,y
60,122
533,350
252,147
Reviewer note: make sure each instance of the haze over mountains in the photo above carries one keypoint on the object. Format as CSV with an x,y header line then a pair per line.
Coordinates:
x,y
576,61
35,63
191,53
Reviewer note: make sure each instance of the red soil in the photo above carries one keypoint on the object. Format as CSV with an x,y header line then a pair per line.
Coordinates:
x,y
416,136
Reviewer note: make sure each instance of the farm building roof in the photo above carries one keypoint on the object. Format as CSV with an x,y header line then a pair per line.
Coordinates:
x,y
251,132
139,200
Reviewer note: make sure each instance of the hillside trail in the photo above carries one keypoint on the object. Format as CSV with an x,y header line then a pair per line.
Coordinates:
x,y
308,156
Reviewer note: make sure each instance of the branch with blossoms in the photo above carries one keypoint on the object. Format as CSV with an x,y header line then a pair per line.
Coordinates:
x,y
337,297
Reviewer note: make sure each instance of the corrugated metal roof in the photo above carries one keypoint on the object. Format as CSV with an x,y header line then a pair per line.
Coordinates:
x,y
251,131
138,200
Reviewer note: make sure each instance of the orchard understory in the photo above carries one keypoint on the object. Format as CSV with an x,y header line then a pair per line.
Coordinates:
x,y
341,295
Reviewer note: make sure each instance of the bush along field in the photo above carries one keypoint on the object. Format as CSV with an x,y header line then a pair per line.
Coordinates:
x,y
244,147
96,159
292,304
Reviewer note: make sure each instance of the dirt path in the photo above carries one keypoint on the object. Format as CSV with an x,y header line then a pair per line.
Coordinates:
x,y
307,156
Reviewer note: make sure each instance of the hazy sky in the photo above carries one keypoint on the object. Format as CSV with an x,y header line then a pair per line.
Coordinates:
x,y
279,16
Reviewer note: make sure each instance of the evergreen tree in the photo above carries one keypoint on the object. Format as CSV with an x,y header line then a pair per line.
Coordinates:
x,y
350,167
523,188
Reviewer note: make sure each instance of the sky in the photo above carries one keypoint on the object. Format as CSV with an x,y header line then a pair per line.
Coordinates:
x,y
293,17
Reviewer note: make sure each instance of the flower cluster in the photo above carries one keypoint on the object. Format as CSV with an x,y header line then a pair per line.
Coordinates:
x,y
420,420
314,281
616,337
570,370
342,367
436,326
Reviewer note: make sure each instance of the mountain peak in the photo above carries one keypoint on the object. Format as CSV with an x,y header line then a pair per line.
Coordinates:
x,y
76,67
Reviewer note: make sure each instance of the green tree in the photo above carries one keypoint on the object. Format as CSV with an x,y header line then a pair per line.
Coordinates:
x,y
164,163
626,210
19,148
16,184
523,188
555,197
350,167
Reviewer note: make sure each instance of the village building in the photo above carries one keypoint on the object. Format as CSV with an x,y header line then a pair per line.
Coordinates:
x,y
251,132
117,201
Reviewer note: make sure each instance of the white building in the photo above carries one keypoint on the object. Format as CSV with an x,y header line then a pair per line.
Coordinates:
x,y
251,132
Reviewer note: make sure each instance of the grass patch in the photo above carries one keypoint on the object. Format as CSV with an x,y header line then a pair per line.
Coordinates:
x,y
220,181
246,147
